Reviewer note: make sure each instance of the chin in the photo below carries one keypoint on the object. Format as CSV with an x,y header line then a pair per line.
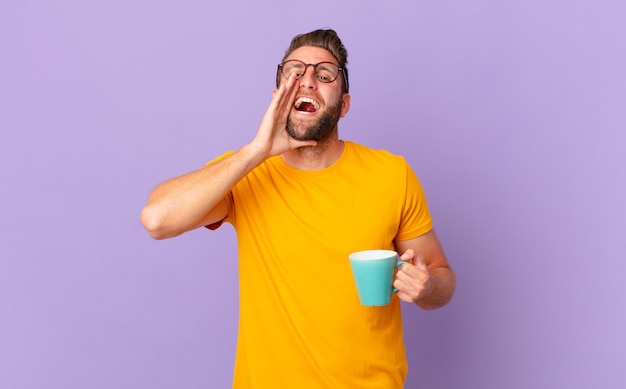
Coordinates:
x,y
316,134
321,130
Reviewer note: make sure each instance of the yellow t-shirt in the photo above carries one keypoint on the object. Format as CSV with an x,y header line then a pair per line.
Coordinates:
x,y
301,324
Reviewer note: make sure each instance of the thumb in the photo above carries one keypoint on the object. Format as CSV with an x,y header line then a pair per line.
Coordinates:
x,y
408,256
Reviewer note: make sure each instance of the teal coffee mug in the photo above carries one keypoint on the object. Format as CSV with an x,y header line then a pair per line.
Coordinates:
x,y
373,272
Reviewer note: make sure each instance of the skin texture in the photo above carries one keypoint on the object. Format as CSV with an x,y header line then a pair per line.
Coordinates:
x,y
196,199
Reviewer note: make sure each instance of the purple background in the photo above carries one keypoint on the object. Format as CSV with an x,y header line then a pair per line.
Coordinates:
x,y
512,113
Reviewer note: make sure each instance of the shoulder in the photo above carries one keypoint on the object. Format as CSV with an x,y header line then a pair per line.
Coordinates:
x,y
365,156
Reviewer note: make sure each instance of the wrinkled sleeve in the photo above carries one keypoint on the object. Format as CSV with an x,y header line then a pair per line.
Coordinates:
x,y
228,198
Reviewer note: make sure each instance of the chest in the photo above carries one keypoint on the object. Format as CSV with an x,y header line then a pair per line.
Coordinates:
x,y
344,213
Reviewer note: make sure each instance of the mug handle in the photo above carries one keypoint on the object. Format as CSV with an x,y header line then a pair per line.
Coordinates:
x,y
398,264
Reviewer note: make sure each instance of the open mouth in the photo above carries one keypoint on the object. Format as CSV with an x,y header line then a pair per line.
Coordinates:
x,y
306,104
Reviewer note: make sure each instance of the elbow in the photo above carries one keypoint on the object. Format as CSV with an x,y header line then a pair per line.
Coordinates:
x,y
154,223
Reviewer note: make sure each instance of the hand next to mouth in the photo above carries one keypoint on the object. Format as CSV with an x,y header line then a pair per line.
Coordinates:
x,y
272,138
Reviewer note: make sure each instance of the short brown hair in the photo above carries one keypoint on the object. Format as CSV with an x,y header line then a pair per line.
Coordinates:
x,y
326,39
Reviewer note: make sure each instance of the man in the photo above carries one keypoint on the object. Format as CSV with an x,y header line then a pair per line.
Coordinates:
x,y
301,200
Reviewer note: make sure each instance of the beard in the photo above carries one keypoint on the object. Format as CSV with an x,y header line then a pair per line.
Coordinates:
x,y
320,130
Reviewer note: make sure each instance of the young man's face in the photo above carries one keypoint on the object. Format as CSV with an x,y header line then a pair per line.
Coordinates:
x,y
319,105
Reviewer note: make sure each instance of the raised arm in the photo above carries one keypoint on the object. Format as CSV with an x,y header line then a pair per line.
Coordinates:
x,y
197,199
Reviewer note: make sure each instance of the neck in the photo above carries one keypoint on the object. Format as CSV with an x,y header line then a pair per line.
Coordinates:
x,y
318,157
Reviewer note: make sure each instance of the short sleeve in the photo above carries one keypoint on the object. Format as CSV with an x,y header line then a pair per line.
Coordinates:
x,y
228,198
415,219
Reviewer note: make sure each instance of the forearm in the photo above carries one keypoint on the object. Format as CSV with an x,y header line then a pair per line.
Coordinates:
x,y
193,200
440,288
196,199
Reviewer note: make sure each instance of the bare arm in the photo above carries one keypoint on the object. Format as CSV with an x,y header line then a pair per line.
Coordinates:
x,y
426,280
197,199
194,199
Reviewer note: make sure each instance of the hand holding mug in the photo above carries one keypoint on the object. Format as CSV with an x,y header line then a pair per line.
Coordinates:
x,y
412,278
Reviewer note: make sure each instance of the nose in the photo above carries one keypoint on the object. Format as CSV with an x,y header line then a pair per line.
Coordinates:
x,y
308,80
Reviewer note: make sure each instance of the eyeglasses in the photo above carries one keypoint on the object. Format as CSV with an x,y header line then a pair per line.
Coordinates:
x,y
326,72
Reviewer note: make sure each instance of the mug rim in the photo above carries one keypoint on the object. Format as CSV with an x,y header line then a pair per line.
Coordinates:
x,y
372,255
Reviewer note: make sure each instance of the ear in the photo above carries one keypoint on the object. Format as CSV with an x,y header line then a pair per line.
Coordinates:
x,y
345,107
